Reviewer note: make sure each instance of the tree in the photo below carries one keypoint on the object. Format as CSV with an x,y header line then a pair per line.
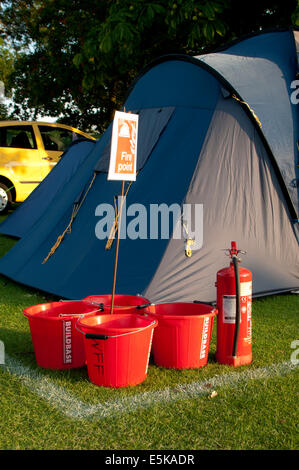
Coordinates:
x,y
76,60
295,16
6,68
3,112
6,61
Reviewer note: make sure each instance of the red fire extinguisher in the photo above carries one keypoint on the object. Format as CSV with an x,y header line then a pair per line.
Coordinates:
x,y
234,304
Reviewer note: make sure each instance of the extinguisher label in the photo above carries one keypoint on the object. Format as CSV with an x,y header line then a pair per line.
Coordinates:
x,y
245,288
249,320
229,308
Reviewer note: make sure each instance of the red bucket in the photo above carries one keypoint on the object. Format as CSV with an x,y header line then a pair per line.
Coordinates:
x,y
56,342
121,303
117,348
182,338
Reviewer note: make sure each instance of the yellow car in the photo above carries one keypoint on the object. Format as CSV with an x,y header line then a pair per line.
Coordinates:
x,y
28,151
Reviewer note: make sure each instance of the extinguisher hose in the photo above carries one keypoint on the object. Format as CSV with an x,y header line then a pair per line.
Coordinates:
x,y
238,306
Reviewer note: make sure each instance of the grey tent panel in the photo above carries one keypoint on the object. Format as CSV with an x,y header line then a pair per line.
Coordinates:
x,y
242,200
262,69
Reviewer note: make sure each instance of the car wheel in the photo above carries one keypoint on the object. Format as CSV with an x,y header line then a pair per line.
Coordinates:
x,y
5,198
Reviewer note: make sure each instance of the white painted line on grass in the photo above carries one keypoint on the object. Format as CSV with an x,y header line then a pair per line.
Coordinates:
x,y
72,407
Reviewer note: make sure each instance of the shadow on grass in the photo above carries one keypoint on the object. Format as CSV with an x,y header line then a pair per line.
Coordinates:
x,y
18,345
15,294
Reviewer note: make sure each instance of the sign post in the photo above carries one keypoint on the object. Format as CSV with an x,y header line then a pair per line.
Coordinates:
x,y
122,167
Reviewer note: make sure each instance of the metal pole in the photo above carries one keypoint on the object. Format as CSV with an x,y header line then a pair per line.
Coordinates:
x,y
117,246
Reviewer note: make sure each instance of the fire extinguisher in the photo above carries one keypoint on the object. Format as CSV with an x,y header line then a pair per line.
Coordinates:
x,y
234,320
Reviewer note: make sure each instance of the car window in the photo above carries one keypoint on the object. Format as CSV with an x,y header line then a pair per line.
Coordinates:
x,y
56,138
17,137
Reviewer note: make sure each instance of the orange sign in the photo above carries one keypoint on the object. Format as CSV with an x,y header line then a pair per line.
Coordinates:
x,y
123,156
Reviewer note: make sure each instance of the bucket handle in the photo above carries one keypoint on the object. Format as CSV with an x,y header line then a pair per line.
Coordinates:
x,y
80,315
104,337
143,305
213,304
102,305
124,307
91,336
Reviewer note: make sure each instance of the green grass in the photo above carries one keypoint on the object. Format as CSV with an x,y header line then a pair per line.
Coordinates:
x,y
258,413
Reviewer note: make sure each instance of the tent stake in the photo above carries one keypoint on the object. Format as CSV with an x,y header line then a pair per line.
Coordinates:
x,y
117,246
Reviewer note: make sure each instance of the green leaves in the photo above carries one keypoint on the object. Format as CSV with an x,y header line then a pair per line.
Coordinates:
x,y
295,15
6,69
208,31
198,21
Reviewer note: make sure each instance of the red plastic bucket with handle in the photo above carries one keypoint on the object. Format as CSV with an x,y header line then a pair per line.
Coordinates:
x,y
117,348
56,342
121,303
182,338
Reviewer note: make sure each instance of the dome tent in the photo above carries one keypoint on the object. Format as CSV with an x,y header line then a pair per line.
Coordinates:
x,y
218,130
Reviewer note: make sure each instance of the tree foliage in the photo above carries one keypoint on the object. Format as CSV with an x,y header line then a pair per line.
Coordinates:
x,y
295,15
6,68
77,59
6,61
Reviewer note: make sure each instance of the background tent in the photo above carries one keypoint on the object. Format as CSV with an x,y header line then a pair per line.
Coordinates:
x,y
47,192
199,143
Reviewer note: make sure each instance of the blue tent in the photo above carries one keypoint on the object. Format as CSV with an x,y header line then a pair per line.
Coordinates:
x,y
47,192
219,131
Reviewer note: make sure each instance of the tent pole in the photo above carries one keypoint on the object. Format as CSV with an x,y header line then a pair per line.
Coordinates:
x,y
117,245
